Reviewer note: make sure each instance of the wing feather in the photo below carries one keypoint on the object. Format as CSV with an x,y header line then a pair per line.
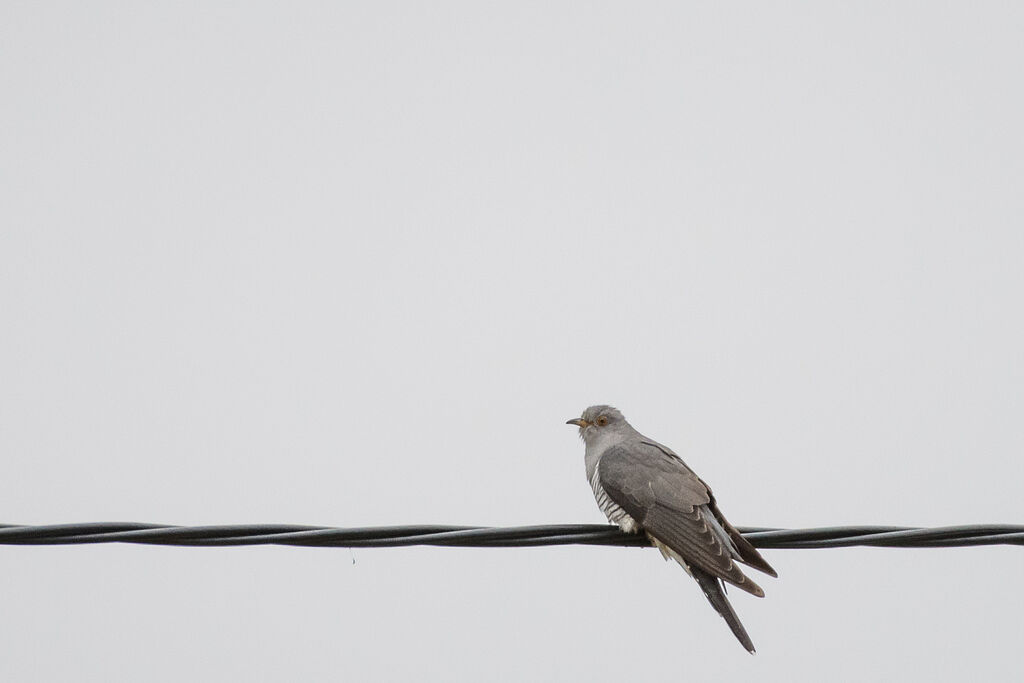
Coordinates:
x,y
743,550
670,502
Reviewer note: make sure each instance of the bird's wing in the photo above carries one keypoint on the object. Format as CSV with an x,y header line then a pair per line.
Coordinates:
x,y
670,502
741,547
742,550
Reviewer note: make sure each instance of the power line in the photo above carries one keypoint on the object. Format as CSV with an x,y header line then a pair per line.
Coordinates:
x,y
491,537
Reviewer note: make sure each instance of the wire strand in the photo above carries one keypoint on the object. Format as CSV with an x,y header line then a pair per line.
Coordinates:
x,y
491,537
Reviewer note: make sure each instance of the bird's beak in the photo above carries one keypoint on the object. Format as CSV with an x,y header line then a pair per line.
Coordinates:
x,y
579,422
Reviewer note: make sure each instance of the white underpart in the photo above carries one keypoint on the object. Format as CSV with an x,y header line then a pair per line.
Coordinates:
x,y
611,509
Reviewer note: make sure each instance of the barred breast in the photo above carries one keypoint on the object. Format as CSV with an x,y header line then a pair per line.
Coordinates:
x,y
611,509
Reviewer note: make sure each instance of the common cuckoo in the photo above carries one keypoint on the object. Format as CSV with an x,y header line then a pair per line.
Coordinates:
x,y
644,487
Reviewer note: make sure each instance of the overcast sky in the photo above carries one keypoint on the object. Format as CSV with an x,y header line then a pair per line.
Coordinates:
x,y
356,264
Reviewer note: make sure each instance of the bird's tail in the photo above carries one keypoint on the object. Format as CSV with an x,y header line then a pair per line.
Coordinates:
x,y
712,588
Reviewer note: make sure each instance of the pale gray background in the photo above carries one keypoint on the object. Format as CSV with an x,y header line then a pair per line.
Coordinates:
x,y
356,263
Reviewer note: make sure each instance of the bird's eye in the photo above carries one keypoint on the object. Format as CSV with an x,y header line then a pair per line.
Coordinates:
x,y
602,421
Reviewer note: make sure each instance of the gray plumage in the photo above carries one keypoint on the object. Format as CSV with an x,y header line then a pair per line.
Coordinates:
x,y
643,486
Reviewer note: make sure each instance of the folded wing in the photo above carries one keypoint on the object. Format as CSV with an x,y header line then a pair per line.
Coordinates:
x,y
678,510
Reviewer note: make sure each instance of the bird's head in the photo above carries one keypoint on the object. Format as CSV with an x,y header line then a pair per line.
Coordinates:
x,y
599,420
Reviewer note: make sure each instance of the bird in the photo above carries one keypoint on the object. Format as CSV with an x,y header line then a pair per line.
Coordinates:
x,y
644,487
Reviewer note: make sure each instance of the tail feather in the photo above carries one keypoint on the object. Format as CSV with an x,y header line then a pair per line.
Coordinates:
x,y
748,554
713,589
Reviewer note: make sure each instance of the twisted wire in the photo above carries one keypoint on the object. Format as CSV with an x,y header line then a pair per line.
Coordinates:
x,y
491,537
